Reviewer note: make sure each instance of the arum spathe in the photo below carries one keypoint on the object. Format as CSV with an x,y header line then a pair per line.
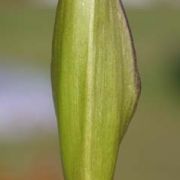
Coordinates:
x,y
95,85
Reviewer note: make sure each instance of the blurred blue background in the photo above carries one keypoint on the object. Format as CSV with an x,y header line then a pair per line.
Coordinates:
x,y
28,132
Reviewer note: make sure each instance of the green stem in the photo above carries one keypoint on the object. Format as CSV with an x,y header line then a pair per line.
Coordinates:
x,y
95,85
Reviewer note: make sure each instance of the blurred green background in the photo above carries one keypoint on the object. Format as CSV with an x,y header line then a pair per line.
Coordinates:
x,y
28,133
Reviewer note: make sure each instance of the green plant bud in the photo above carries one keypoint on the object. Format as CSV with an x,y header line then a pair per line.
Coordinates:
x,y
95,85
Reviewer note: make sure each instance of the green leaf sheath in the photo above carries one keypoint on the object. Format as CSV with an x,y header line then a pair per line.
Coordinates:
x,y
95,85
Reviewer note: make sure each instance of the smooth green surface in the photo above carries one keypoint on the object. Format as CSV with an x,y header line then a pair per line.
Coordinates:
x,y
95,85
150,149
